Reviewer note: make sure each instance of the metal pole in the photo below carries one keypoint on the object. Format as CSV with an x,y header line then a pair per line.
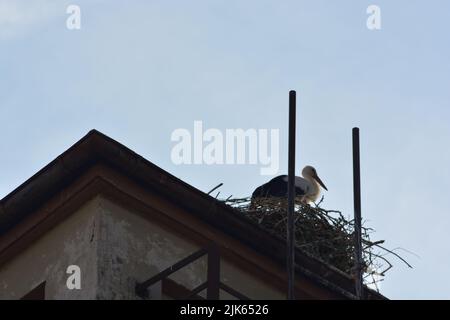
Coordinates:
x,y
291,197
357,207
213,288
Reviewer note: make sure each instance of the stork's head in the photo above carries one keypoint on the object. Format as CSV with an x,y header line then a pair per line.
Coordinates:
x,y
310,172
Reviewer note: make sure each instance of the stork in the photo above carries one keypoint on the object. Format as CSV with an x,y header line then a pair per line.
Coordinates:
x,y
306,188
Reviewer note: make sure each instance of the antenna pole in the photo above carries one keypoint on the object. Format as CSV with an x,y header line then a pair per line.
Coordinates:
x,y
291,197
357,208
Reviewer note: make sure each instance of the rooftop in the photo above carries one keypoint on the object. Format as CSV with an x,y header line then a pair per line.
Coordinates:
x,y
96,148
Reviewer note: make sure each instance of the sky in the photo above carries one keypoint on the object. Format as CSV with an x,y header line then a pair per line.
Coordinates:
x,y
137,71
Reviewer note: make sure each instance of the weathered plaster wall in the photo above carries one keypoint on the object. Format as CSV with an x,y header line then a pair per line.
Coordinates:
x,y
69,243
133,248
114,247
247,284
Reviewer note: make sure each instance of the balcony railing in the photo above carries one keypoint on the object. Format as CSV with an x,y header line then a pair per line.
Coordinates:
x,y
213,285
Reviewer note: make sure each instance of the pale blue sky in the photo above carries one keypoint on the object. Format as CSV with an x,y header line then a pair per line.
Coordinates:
x,y
137,70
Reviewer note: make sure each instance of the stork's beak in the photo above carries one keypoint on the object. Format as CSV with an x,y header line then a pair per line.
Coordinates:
x,y
320,182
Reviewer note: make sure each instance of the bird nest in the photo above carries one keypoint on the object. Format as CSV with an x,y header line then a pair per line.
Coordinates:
x,y
324,234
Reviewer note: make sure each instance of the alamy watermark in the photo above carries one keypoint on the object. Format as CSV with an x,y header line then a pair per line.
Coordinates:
x,y
234,146
74,280
73,22
374,20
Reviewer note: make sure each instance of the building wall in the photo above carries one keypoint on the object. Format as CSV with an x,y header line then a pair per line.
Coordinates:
x,y
115,247
69,243
133,248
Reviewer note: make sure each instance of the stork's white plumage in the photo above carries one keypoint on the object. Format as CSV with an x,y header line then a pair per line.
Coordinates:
x,y
306,188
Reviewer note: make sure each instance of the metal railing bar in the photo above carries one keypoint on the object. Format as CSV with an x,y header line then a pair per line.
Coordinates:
x,y
141,287
233,292
197,290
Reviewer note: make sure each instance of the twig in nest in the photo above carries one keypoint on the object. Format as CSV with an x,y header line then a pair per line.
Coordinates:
x,y
215,188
